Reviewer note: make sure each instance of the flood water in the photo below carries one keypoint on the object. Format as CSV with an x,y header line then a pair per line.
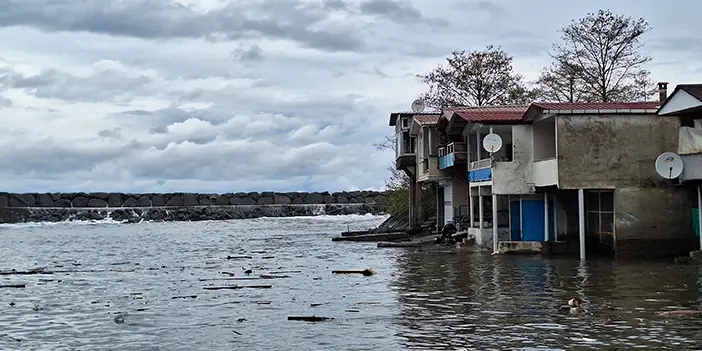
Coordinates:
x,y
142,287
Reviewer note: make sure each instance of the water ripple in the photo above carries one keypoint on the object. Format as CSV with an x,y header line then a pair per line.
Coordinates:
x,y
140,287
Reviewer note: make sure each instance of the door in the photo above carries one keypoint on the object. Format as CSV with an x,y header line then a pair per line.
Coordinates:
x,y
533,220
515,221
448,204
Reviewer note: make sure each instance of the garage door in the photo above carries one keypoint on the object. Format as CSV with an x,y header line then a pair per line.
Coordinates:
x,y
448,204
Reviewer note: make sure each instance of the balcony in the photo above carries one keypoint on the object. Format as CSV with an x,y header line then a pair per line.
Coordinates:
x,y
452,154
404,150
480,171
546,172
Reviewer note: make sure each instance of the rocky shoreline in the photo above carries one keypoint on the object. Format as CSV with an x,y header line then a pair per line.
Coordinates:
x,y
132,208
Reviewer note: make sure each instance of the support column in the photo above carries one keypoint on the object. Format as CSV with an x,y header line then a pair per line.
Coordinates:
x,y
477,145
494,222
581,220
412,184
439,207
471,204
480,209
555,217
417,204
699,212
546,224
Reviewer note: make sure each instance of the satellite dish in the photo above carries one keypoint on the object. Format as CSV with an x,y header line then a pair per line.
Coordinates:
x,y
418,106
669,165
492,143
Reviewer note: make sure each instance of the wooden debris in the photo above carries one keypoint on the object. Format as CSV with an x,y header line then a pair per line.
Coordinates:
x,y
185,297
267,257
316,304
233,287
239,257
270,276
40,270
353,311
309,318
284,272
13,286
366,272
236,332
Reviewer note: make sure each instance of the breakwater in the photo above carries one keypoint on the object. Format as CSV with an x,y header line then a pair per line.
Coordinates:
x,y
56,207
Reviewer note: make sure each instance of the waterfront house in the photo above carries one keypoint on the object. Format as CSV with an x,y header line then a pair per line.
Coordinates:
x,y
685,106
568,171
416,159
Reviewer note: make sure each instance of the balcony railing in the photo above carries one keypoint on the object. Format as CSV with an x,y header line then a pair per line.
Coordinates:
x,y
451,154
484,163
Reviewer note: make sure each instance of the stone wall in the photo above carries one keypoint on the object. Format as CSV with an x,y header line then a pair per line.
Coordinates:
x,y
114,200
133,208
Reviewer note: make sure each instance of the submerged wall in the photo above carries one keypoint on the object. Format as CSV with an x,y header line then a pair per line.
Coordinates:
x,y
15,208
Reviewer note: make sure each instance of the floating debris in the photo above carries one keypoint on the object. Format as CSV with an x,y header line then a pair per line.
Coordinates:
x,y
18,286
185,297
309,318
267,257
239,257
233,287
271,276
366,272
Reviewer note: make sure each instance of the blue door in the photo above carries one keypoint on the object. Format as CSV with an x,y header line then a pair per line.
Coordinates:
x,y
515,222
533,222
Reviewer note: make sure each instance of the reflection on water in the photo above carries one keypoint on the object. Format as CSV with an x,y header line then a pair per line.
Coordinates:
x,y
140,287
451,300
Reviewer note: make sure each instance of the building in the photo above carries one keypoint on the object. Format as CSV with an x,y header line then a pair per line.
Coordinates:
x,y
685,106
417,159
575,175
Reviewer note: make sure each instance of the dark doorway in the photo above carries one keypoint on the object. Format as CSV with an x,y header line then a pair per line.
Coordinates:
x,y
599,222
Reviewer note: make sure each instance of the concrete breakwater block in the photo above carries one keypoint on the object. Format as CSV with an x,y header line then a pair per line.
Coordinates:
x,y
375,237
170,214
113,200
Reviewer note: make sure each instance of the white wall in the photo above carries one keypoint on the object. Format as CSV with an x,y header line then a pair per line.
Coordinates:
x,y
546,172
516,177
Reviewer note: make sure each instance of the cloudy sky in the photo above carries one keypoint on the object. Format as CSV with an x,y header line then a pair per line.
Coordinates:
x,y
249,95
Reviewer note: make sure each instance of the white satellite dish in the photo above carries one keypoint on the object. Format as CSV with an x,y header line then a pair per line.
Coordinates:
x,y
669,165
418,106
492,143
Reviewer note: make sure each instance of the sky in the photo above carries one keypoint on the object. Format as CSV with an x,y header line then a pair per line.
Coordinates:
x,y
255,95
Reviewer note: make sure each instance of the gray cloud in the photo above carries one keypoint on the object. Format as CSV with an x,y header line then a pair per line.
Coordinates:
x,y
150,95
306,22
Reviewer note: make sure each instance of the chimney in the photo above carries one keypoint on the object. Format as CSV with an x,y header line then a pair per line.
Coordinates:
x,y
662,91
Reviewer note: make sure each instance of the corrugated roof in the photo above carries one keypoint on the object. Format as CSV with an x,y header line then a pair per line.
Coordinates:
x,y
395,115
572,106
428,119
494,114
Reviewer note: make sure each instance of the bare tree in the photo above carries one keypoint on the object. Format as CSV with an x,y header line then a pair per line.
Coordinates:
x,y
477,78
603,51
561,83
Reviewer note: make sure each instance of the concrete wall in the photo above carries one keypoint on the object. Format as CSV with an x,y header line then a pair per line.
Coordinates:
x,y
433,173
653,222
460,192
620,150
516,177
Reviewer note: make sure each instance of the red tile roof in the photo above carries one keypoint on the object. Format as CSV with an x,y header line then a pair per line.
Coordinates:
x,y
494,114
570,106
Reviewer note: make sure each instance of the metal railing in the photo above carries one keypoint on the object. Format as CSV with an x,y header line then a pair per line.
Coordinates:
x,y
480,164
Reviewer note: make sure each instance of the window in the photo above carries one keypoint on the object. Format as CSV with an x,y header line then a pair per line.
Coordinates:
x,y
405,122
600,212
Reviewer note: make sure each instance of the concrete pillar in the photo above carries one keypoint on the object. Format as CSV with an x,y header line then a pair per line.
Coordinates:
x,y
477,145
417,204
480,209
471,204
555,217
439,207
546,224
581,222
412,183
494,222
699,212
